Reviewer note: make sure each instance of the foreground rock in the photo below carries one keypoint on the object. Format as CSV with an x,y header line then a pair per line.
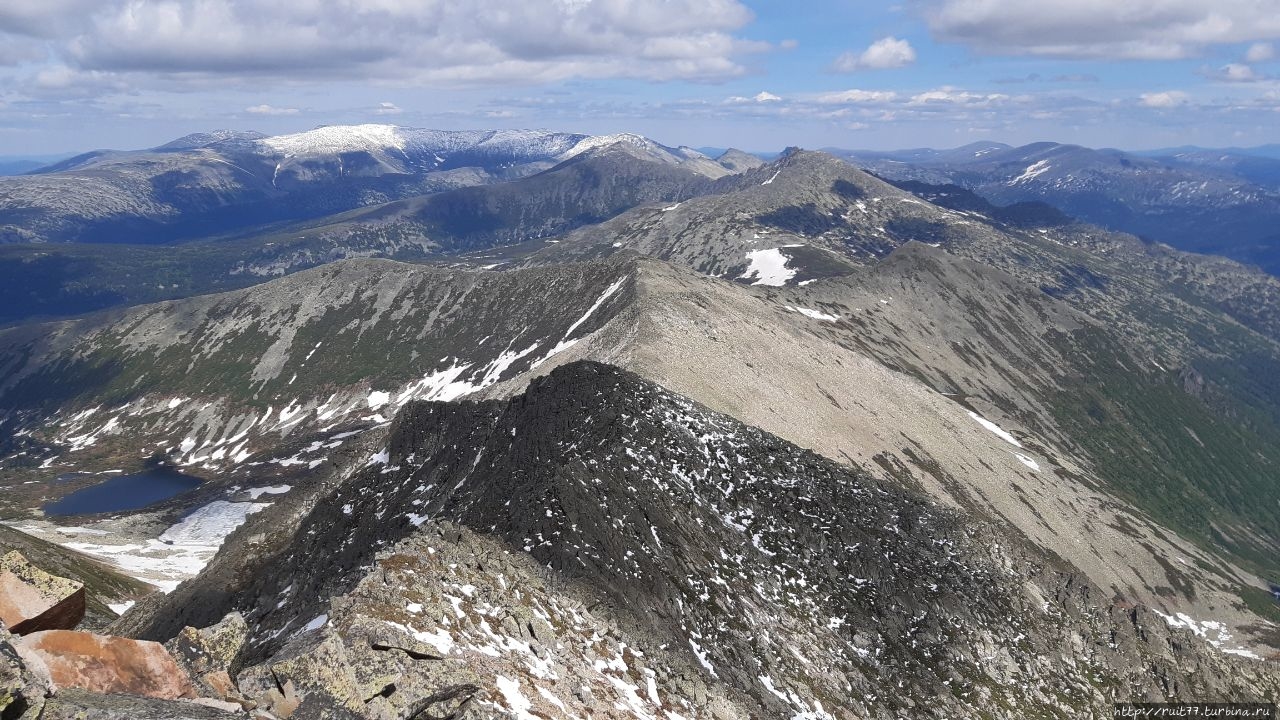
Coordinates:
x,y
23,684
105,664
32,600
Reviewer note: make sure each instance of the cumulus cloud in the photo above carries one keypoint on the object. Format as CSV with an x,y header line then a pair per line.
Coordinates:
x,y
1235,72
948,95
883,54
764,96
1166,99
845,97
1135,29
1260,52
271,110
459,41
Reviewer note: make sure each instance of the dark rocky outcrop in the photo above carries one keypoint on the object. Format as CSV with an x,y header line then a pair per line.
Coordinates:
x,y
688,535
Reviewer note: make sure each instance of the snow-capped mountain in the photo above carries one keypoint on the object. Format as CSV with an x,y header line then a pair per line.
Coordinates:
x,y
227,182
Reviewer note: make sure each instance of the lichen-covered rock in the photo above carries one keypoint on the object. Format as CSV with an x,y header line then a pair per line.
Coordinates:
x,y
23,685
207,654
312,677
32,600
106,664
76,704
213,648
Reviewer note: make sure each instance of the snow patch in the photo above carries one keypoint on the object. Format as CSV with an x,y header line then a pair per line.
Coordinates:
x,y
1027,461
999,431
121,608
815,314
1032,172
255,493
768,267
517,703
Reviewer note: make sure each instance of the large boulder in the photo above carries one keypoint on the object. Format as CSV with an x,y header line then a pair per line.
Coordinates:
x,y
312,677
105,664
32,600
207,654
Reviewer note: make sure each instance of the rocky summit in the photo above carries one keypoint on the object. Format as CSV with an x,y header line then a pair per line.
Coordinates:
x,y
408,424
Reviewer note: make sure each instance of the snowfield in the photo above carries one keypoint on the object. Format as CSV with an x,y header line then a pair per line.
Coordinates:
x,y
768,267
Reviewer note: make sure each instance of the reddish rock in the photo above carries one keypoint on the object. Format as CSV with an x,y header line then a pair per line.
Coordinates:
x,y
32,600
104,664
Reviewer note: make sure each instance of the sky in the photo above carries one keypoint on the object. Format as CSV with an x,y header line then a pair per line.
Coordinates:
x,y
761,75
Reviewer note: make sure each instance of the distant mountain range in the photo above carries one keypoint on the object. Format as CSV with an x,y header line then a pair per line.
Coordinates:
x,y
20,164
1224,202
226,182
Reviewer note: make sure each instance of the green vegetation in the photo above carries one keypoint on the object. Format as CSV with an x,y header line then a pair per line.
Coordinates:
x,y
1204,474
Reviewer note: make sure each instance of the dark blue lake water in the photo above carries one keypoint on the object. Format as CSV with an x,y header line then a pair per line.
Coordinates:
x,y
124,492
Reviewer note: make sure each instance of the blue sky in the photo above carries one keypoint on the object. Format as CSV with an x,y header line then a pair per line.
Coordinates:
x,y
758,74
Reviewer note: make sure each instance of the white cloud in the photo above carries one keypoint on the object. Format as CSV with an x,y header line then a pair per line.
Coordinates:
x,y
764,96
1167,99
1237,72
441,41
388,108
1141,29
883,54
271,110
845,97
1260,52
954,96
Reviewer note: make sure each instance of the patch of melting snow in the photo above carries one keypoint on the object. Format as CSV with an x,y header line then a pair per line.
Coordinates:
x,y
121,608
702,657
1027,461
255,493
768,267
1032,171
378,398
591,310
567,343
180,552
1212,631
441,640
815,314
775,177
209,525
517,703
999,431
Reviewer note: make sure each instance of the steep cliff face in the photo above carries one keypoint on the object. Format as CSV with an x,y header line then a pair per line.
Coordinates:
x,y
788,582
